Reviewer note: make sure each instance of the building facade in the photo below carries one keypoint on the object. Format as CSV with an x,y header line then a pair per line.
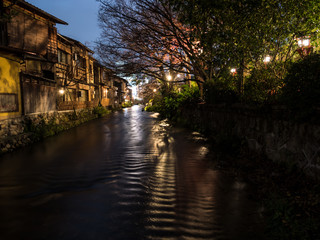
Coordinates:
x,y
43,71
27,59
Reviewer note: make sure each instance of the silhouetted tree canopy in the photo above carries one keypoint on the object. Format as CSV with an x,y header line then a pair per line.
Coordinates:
x,y
203,38
145,36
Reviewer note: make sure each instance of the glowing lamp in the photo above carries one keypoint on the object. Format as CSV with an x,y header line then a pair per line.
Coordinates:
x,y
267,59
304,42
304,46
61,91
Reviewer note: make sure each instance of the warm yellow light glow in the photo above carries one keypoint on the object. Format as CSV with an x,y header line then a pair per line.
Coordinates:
x,y
303,42
61,91
267,59
233,70
306,42
169,77
154,90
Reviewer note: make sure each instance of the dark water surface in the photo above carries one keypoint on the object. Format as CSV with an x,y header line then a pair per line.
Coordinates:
x,y
128,176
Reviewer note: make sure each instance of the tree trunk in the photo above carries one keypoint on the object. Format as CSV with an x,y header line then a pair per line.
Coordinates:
x,y
241,77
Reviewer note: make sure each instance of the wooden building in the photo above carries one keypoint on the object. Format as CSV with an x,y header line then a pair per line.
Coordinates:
x,y
28,53
106,89
122,91
82,80
43,71
74,75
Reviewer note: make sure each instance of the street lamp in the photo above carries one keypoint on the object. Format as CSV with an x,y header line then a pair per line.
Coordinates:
x,y
233,71
61,91
304,46
303,42
169,77
267,59
154,92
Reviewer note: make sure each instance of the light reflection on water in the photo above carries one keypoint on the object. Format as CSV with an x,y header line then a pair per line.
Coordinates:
x,y
129,176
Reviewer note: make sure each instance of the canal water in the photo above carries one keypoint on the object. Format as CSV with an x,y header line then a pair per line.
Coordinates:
x,y
126,176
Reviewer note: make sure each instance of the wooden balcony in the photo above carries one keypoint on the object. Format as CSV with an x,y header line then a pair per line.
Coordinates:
x,y
62,106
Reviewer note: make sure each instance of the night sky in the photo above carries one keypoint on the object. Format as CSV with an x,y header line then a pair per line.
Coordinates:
x,y
81,15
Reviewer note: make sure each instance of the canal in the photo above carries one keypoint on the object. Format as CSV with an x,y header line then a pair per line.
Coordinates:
x,y
127,176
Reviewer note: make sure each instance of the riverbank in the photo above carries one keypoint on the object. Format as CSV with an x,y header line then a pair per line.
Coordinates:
x,y
265,131
290,196
19,132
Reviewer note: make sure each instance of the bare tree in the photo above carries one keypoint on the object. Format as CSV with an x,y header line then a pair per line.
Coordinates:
x,y
145,36
149,90
69,79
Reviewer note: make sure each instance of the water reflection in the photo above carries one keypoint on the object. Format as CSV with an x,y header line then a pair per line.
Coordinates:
x,y
129,176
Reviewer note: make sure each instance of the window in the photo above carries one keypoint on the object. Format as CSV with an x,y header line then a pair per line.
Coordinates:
x,y
70,95
83,95
81,62
105,93
3,33
8,102
62,57
96,75
48,74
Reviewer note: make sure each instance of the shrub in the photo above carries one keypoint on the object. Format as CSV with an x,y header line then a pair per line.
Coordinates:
x,y
301,92
41,129
126,104
221,91
100,111
262,87
169,104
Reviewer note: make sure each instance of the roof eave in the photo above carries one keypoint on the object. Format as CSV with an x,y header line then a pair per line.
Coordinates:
x,y
40,12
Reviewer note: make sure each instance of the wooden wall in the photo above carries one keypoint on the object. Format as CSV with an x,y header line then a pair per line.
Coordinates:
x,y
27,33
38,98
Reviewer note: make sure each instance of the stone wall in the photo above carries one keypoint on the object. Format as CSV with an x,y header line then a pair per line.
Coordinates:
x,y
19,132
270,133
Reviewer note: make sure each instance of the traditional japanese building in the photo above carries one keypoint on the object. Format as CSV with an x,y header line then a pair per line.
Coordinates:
x,y
28,53
43,71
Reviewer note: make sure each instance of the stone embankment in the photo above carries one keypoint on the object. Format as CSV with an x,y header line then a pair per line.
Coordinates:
x,y
271,133
19,132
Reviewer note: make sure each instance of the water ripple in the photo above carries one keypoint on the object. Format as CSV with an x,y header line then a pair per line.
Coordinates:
x,y
130,176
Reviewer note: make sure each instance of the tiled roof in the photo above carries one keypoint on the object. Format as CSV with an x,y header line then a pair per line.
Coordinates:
x,y
40,12
78,43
